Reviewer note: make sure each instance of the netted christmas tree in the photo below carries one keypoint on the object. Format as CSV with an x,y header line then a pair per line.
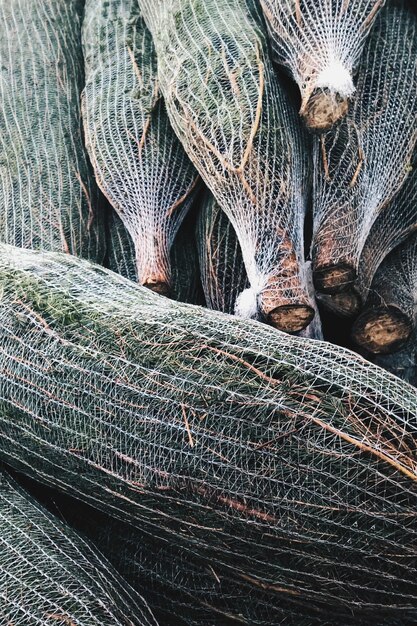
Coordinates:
x,y
48,198
185,275
139,163
241,131
223,273
284,464
390,313
320,42
50,576
362,164
397,221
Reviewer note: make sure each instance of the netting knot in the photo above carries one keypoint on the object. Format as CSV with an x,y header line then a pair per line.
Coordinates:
x,y
247,303
336,78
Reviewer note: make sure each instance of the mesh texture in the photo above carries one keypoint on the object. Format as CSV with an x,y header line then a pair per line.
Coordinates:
x,y
402,363
185,278
280,462
48,198
223,273
242,134
139,163
397,221
390,314
361,164
320,42
49,576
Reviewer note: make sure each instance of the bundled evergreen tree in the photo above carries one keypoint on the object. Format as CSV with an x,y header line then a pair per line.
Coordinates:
x,y
362,164
48,199
320,42
50,576
139,163
283,464
241,131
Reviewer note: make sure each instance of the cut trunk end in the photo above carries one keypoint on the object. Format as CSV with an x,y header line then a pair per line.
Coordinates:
x,y
334,278
291,318
157,286
382,330
323,110
345,304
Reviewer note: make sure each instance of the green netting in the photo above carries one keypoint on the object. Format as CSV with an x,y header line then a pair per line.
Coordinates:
x,y
48,198
241,132
49,576
284,464
139,163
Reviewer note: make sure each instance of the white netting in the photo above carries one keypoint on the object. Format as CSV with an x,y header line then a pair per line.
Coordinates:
x,y
49,576
185,275
223,273
242,134
286,464
396,221
180,589
140,164
48,198
320,42
360,165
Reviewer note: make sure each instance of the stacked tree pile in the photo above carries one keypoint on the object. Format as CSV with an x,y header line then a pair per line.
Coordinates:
x,y
258,157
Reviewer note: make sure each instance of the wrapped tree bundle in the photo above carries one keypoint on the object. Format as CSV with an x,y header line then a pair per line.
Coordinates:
x,y
402,363
185,278
48,198
223,274
49,575
282,463
140,165
240,130
361,165
396,222
320,42
390,314
180,589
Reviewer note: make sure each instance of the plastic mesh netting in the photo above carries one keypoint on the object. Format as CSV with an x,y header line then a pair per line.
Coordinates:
x,y
360,165
185,278
282,463
242,134
139,163
48,199
402,363
223,274
397,220
390,313
180,589
50,576
320,42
